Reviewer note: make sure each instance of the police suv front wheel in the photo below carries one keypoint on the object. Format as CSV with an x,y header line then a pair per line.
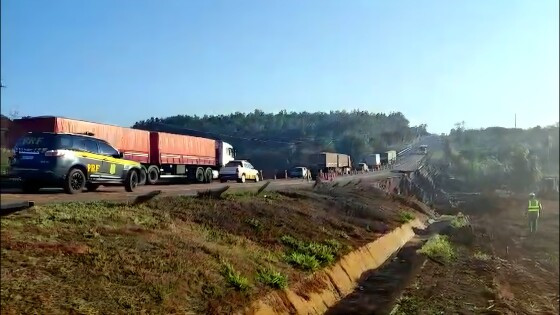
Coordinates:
x,y
131,181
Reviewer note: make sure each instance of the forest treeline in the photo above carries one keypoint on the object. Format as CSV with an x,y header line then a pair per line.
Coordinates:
x,y
498,157
284,139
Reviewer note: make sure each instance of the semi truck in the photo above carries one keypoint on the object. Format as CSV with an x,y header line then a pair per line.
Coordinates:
x,y
163,155
388,157
373,161
328,162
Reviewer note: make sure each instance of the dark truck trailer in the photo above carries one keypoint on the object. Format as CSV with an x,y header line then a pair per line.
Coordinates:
x,y
325,160
330,162
162,154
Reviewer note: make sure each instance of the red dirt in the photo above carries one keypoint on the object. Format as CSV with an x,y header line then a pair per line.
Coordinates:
x,y
520,276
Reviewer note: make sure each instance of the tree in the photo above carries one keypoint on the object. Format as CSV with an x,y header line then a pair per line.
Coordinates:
x,y
260,136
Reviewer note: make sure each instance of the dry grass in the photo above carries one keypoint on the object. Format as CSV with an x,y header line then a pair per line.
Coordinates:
x,y
5,155
176,255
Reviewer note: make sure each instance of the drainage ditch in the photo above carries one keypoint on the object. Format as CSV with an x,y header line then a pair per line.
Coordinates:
x,y
379,289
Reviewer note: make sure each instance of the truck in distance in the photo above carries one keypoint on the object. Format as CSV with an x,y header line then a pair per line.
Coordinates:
x,y
423,149
388,157
362,167
298,172
373,161
329,162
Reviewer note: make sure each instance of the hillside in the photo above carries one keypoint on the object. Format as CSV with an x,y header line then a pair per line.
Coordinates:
x,y
183,254
494,157
281,140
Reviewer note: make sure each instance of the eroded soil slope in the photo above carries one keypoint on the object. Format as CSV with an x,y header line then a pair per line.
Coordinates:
x,y
183,254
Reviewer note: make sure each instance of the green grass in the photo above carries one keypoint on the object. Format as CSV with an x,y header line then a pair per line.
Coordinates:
x,y
334,245
324,253
234,278
405,217
272,278
303,261
439,248
459,221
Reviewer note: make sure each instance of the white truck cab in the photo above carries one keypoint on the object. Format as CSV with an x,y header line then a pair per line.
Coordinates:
x,y
225,153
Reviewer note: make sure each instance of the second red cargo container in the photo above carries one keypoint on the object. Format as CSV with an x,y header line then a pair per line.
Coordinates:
x,y
167,148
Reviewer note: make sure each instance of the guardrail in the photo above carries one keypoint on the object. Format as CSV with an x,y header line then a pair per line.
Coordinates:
x,y
404,150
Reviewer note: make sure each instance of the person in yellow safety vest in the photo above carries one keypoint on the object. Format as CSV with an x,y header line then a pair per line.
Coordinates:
x,y
534,211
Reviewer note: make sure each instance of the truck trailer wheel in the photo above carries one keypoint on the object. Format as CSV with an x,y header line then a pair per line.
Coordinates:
x,y
152,175
199,174
208,174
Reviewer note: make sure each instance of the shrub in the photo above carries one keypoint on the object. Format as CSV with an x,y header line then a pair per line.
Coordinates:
x,y
303,261
323,253
459,221
438,248
234,278
405,216
272,278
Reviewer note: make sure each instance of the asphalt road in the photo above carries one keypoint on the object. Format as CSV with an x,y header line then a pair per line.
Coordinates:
x,y
407,162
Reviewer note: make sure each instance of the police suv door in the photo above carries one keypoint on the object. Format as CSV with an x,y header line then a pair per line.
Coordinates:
x,y
89,156
111,169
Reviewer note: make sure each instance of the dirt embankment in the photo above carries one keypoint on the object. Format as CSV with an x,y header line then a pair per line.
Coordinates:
x,y
503,271
183,254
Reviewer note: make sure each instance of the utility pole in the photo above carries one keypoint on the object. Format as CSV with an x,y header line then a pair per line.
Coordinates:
x,y
515,122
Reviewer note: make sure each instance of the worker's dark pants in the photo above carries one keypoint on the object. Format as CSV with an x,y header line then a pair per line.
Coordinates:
x,y
533,218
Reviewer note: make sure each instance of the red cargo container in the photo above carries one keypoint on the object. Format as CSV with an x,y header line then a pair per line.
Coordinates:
x,y
133,143
167,148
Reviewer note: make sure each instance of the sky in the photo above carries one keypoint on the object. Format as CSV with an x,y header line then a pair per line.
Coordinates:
x,y
438,62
